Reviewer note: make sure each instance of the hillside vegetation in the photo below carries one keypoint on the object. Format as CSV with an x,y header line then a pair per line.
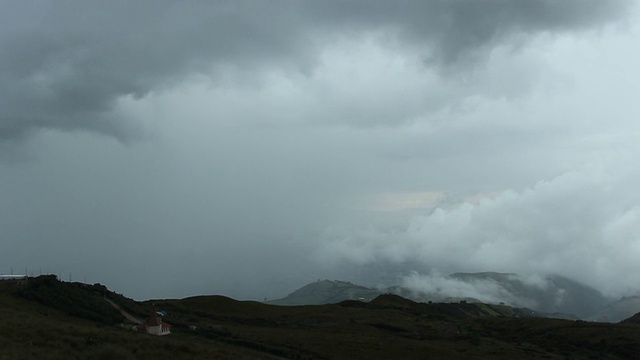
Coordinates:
x,y
41,320
327,292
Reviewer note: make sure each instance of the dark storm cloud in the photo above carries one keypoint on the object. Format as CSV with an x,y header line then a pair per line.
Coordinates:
x,y
454,29
69,62
65,65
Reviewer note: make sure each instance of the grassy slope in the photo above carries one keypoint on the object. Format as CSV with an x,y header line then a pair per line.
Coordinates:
x,y
388,327
33,330
326,292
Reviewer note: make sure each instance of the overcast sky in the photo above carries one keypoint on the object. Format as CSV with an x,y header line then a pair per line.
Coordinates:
x,y
245,148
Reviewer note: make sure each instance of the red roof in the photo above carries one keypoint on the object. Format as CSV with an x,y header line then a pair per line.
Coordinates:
x,y
153,320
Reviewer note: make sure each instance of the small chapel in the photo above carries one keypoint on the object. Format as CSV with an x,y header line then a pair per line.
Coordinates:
x,y
154,324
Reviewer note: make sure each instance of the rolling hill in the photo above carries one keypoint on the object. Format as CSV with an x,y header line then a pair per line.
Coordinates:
x,y
552,295
327,292
40,319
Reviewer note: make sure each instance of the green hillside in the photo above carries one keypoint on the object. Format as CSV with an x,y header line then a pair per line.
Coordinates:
x,y
327,292
40,320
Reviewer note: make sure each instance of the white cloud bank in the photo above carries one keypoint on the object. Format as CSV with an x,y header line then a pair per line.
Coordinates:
x,y
583,225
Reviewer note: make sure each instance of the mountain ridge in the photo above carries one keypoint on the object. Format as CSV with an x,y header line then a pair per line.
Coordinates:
x,y
216,326
553,295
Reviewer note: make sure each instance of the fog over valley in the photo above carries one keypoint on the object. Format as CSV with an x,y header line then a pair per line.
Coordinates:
x,y
169,149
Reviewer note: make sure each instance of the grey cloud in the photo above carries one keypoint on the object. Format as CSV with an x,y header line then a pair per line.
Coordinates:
x,y
66,64
269,122
458,28
576,225
442,287
67,70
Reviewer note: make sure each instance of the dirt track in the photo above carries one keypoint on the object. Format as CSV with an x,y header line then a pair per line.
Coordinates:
x,y
124,313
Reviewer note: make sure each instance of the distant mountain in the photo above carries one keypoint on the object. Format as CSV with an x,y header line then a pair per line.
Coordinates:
x,y
551,294
635,319
555,296
618,310
327,292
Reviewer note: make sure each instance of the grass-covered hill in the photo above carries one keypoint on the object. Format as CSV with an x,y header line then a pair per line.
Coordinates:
x,y
327,292
554,296
75,299
49,319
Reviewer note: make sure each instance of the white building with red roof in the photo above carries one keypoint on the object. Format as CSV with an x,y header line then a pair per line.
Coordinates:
x,y
154,325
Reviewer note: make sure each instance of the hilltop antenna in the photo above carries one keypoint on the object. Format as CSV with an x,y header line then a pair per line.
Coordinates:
x,y
12,270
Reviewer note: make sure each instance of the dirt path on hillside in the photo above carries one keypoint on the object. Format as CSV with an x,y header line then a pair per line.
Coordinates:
x,y
124,313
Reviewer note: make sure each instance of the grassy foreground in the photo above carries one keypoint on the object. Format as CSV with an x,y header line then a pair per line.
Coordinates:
x,y
48,319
